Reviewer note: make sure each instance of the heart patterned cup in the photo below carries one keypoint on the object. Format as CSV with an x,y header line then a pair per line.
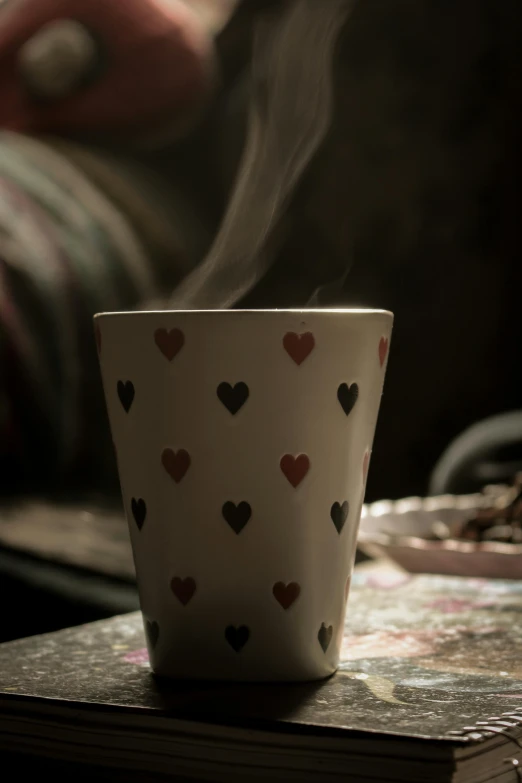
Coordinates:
x,y
243,440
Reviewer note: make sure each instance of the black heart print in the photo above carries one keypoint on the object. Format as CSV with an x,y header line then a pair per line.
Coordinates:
x,y
139,511
236,516
325,636
347,396
237,637
233,397
126,394
339,514
152,630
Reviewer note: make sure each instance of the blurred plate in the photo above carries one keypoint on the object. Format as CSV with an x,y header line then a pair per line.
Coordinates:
x,y
401,530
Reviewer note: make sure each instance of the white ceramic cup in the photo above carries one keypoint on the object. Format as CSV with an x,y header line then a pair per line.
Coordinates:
x,y
243,440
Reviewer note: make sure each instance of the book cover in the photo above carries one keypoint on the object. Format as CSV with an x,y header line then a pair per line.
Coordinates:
x,y
430,671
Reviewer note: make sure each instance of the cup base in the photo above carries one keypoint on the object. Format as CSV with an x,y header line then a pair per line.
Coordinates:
x,y
246,679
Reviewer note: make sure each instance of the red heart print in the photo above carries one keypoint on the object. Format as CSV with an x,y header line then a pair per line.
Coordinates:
x,y
298,346
286,595
169,343
295,468
183,589
176,463
366,464
383,349
97,334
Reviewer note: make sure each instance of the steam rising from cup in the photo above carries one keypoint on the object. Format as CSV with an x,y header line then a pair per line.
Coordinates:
x,y
289,115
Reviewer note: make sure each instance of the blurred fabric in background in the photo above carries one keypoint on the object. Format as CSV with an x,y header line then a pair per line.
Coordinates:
x,y
410,204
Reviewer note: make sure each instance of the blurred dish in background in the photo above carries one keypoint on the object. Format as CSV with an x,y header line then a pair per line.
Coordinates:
x,y
469,535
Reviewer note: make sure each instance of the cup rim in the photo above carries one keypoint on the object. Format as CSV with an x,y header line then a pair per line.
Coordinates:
x,y
275,311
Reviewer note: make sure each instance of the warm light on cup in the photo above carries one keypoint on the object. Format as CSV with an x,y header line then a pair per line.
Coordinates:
x,y
243,441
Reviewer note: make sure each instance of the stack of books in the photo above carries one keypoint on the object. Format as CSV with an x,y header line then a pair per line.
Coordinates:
x,y
429,689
